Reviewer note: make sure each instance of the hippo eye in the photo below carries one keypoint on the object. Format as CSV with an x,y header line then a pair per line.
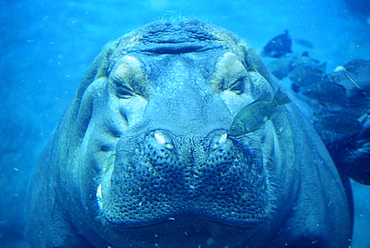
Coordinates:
x,y
238,85
231,74
124,91
122,88
128,78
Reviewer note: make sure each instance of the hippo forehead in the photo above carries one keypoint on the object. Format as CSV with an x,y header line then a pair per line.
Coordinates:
x,y
187,36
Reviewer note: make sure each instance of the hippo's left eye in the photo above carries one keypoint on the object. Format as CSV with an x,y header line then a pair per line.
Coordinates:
x,y
231,74
238,85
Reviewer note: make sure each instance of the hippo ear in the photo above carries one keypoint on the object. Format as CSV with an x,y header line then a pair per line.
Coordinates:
x,y
98,68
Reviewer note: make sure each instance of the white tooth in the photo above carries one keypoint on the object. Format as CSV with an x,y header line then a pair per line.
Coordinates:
x,y
98,192
99,196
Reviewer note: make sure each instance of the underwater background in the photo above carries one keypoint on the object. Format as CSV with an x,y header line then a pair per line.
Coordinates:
x,y
46,47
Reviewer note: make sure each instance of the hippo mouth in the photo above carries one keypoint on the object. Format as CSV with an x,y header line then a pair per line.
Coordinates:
x,y
164,179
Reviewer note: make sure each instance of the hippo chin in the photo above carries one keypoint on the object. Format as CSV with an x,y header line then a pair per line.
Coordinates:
x,y
144,157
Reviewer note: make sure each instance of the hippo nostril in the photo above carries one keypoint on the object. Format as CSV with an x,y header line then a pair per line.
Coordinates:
x,y
159,138
162,140
218,141
222,139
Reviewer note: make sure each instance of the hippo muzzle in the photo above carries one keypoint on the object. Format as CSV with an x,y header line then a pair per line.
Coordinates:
x,y
160,177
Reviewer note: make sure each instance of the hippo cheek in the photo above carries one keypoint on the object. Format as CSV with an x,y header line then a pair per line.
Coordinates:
x,y
108,118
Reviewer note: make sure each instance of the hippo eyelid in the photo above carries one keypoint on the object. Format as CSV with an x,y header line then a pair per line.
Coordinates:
x,y
124,91
238,85
122,88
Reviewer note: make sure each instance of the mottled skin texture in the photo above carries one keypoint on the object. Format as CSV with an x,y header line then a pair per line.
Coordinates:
x,y
142,157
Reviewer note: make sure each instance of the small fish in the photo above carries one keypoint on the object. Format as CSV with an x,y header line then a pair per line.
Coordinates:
x,y
280,68
306,60
338,123
304,42
253,116
304,76
278,46
325,92
358,72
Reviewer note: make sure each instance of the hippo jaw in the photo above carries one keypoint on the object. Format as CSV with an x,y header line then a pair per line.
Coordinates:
x,y
157,146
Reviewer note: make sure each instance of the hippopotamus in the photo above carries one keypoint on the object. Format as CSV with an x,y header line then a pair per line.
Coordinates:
x,y
144,156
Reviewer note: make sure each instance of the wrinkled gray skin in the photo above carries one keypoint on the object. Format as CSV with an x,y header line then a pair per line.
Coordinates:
x,y
142,157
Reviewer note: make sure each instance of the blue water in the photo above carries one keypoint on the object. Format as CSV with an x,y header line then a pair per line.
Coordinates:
x,y
46,46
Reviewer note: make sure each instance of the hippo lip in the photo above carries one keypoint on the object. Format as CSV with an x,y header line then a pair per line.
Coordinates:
x,y
188,220
223,180
197,232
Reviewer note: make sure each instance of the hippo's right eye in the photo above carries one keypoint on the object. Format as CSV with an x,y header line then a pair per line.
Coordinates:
x,y
121,78
123,91
128,78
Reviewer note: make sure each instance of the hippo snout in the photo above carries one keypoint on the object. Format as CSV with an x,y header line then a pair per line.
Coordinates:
x,y
160,176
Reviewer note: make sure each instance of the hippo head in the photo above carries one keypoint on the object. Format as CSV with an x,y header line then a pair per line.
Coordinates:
x,y
156,164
